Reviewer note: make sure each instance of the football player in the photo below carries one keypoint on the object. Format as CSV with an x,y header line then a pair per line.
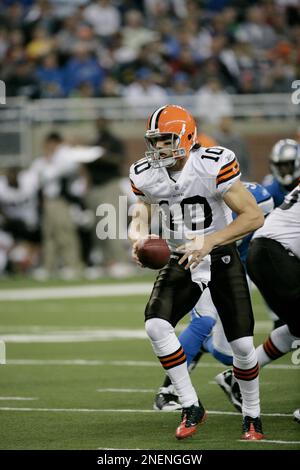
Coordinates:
x,y
285,168
273,264
197,190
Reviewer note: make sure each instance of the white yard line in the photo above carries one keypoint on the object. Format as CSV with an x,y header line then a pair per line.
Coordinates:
x,y
74,336
18,398
94,290
96,362
79,362
118,448
271,441
126,390
114,410
36,334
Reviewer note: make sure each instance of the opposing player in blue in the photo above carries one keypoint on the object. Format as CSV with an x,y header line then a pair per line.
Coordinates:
x,y
285,168
205,332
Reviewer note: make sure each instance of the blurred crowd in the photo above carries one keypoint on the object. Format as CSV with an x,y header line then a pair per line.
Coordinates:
x,y
48,212
148,48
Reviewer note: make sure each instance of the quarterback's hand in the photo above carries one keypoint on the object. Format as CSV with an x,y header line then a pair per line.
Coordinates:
x,y
197,248
134,251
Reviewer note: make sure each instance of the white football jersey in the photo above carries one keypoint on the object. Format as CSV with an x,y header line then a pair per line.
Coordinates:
x,y
193,203
283,224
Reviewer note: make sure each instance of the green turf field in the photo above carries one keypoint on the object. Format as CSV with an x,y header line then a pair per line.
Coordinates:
x,y
71,363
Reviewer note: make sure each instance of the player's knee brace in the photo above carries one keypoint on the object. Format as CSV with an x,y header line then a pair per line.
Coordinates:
x,y
157,329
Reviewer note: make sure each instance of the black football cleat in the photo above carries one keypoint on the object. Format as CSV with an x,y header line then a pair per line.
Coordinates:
x,y
230,387
191,417
252,429
166,400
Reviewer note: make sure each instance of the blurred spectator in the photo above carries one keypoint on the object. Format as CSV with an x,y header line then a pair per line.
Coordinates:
x,y
19,222
22,81
83,67
110,88
180,85
51,77
241,66
4,42
53,173
14,16
83,90
104,187
6,244
135,33
65,8
255,30
213,102
144,89
116,55
155,8
19,205
169,42
226,136
41,13
66,37
185,62
103,16
41,43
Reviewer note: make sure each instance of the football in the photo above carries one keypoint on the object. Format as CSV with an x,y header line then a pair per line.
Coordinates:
x,y
153,253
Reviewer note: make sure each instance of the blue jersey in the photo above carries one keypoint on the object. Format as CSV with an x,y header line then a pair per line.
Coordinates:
x,y
275,189
265,202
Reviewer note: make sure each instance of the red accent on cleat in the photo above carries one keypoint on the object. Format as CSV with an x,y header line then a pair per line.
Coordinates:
x,y
252,435
184,431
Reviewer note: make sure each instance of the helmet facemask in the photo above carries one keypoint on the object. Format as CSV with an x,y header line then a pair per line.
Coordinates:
x,y
160,156
285,162
284,172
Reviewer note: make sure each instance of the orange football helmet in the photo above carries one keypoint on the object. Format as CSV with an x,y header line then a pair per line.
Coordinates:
x,y
174,123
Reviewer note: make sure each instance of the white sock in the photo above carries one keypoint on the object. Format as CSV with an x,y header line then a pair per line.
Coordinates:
x,y
171,355
279,343
245,370
262,356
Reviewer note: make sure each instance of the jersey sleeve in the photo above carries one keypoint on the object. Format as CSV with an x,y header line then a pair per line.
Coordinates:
x,y
137,186
228,172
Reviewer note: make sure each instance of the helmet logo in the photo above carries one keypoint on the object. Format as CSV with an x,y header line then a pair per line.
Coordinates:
x,y
182,130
